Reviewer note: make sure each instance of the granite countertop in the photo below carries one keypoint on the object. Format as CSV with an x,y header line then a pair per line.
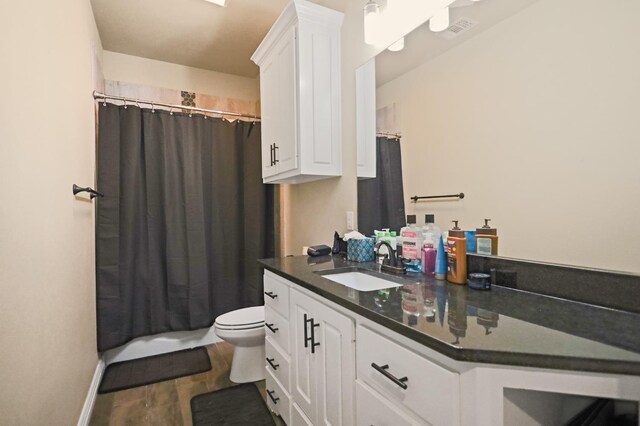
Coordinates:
x,y
501,326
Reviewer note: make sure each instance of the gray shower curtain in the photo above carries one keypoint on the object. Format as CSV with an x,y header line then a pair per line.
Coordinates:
x,y
184,217
381,199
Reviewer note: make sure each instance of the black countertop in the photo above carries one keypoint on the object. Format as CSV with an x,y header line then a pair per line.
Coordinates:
x,y
500,326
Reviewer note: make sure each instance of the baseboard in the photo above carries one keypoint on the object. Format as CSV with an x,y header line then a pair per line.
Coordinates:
x,y
87,408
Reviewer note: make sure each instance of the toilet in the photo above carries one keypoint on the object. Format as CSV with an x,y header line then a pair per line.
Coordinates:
x,y
244,329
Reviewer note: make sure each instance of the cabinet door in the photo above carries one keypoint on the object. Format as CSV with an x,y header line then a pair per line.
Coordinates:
x,y
269,112
286,138
334,362
303,386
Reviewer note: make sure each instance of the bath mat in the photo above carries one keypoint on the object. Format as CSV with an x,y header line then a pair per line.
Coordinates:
x,y
152,369
240,405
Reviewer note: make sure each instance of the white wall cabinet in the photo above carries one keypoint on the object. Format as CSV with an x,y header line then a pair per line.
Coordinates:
x,y
299,62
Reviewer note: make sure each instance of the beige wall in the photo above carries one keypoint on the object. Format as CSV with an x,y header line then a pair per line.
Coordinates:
x,y
536,121
149,72
47,303
317,209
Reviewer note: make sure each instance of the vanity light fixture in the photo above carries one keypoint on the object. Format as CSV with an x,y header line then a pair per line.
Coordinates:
x,y
439,21
222,3
397,46
372,24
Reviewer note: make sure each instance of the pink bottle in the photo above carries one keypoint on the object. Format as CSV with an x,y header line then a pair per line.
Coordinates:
x,y
428,259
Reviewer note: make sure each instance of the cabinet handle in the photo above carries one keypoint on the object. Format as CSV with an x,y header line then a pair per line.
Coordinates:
x,y
306,338
275,154
274,366
383,370
271,327
270,393
313,337
270,294
271,153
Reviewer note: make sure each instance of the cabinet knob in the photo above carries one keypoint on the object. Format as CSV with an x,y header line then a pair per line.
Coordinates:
x,y
271,393
274,366
271,294
271,327
384,370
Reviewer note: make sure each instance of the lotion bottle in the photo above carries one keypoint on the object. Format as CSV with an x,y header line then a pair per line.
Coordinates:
x,y
487,239
456,255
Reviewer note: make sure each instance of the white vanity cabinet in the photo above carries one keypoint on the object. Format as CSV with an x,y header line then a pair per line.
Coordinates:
x,y
299,62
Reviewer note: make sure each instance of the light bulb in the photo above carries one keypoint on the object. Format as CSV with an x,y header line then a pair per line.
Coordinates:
x,y
397,46
372,28
439,21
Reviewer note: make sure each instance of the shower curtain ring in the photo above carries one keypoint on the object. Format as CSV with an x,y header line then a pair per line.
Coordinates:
x,y
137,103
125,103
190,113
170,110
153,108
104,101
205,115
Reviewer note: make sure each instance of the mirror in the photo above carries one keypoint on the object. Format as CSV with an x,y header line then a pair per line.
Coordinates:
x,y
531,108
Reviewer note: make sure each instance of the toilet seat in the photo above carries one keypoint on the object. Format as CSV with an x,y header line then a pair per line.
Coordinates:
x,y
241,319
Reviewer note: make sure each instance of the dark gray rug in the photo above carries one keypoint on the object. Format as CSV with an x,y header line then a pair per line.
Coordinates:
x,y
153,369
240,405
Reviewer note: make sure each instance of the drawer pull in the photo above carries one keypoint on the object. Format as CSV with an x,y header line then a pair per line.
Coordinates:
x,y
271,294
271,327
274,399
306,335
274,366
384,371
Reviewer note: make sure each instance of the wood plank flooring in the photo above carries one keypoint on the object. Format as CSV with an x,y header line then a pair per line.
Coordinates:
x,y
167,403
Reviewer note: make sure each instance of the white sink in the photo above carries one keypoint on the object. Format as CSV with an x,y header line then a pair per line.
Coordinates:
x,y
361,282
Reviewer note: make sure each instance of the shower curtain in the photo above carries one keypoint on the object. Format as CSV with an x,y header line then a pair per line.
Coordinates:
x,y
184,217
381,199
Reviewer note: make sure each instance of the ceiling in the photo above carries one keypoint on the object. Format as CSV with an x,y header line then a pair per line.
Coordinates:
x,y
423,45
194,33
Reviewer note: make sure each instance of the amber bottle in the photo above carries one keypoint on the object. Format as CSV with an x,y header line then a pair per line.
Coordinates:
x,y
456,255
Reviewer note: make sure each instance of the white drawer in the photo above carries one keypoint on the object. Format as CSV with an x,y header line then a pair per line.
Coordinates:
x,y
278,363
278,400
276,294
277,328
373,409
432,392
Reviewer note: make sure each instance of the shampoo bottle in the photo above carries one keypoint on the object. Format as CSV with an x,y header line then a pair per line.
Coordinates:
x,y
456,255
441,261
487,239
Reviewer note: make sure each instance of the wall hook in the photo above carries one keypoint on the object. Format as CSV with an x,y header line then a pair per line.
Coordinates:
x,y
92,192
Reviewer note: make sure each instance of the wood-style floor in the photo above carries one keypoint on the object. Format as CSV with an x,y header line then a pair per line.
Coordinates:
x,y
167,403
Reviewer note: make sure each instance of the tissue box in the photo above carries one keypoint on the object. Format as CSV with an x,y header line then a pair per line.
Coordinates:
x,y
361,250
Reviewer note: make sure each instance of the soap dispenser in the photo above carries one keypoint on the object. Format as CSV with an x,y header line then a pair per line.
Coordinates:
x,y
456,255
487,239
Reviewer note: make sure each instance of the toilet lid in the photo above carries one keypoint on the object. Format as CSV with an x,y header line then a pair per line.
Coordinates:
x,y
253,316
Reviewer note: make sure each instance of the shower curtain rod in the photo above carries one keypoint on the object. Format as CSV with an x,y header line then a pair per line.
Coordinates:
x,y
389,135
102,96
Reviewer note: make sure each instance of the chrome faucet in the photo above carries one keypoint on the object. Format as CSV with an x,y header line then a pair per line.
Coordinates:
x,y
391,262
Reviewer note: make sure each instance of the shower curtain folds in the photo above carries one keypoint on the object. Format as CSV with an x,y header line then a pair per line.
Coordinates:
x,y
184,217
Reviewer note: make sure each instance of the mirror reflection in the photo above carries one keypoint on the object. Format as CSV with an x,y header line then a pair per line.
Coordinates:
x,y
530,108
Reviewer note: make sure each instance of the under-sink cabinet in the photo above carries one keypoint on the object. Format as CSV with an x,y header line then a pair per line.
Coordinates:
x,y
299,62
314,376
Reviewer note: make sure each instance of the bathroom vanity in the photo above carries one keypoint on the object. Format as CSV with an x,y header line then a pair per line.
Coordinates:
x,y
426,352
